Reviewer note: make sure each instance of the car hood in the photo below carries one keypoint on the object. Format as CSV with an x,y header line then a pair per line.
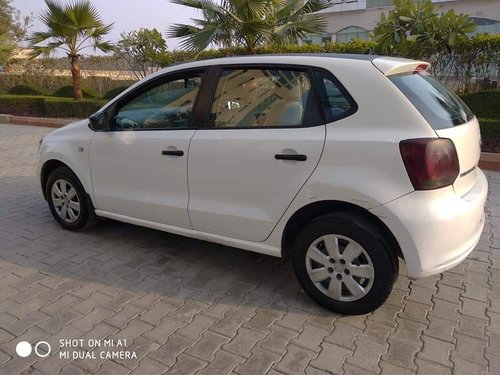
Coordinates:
x,y
70,128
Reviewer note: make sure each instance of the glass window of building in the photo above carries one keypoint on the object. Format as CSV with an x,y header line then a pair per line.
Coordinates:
x,y
350,33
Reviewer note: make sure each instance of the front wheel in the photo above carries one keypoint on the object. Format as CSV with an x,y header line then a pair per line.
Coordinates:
x,y
68,202
344,263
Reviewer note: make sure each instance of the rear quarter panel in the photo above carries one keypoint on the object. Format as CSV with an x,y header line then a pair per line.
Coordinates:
x,y
361,162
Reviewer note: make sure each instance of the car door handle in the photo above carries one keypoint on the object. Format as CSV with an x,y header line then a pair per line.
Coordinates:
x,y
296,157
173,152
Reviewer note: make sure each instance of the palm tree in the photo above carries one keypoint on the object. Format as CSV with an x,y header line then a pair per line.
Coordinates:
x,y
72,28
249,23
6,47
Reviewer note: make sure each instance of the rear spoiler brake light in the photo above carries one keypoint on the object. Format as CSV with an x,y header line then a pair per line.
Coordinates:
x,y
391,66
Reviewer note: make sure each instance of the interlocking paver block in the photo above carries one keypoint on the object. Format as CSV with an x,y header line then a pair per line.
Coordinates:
x,y
367,354
197,327
207,346
149,367
278,339
420,294
243,342
311,337
186,365
54,324
155,314
471,326
263,320
168,352
188,310
386,314
425,368
88,321
120,319
293,320
470,348
295,360
55,308
160,332
466,367
402,352
331,358
233,319
436,351
474,308
224,363
392,369
259,362
21,325
88,304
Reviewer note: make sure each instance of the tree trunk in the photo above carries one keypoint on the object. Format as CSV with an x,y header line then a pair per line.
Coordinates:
x,y
77,77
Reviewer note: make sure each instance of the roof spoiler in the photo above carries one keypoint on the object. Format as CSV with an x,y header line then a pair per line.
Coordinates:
x,y
392,65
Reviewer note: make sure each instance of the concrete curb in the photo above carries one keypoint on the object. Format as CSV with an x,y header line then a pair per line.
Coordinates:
x,y
489,161
35,121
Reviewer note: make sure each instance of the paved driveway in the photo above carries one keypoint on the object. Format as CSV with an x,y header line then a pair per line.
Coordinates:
x,y
180,305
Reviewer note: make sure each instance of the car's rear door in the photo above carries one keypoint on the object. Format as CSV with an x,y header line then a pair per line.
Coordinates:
x,y
264,139
139,167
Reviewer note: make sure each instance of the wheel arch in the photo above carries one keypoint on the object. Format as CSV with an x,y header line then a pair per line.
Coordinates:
x,y
46,170
316,209
51,165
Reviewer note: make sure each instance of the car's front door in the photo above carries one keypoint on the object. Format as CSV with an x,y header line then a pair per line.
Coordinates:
x,y
139,167
265,139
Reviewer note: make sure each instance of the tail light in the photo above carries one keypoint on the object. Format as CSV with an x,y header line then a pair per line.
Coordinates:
x,y
431,163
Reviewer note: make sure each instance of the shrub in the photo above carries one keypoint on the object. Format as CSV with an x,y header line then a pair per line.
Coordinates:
x,y
490,128
22,105
114,92
43,106
67,92
490,134
69,108
484,104
24,90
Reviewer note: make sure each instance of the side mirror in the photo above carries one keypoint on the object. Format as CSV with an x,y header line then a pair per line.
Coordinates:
x,y
99,122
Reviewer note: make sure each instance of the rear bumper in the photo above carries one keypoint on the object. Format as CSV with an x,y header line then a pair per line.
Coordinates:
x,y
437,229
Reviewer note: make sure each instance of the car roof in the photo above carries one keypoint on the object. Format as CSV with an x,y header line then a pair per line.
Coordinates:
x,y
386,65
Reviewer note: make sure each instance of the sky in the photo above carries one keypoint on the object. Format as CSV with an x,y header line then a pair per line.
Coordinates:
x,y
128,15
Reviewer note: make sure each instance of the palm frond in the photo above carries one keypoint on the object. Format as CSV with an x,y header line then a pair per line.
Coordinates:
x,y
75,25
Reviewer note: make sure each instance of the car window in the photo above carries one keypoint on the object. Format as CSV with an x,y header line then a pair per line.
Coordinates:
x,y
262,98
335,102
440,107
166,106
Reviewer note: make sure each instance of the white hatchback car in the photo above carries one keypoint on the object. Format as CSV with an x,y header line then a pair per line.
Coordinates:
x,y
344,162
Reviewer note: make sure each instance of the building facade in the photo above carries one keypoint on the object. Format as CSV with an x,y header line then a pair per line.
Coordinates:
x,y
353,19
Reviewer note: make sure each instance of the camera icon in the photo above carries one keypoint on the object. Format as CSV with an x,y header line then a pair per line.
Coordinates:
x,y
42,349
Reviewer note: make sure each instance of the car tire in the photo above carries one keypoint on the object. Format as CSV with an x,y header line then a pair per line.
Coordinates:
x,y
68,202
344,262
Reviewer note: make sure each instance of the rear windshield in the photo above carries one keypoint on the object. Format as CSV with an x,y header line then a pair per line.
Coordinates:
x,y
440,107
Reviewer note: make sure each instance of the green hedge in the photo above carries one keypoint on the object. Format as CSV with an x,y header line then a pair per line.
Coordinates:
x,y
490,128
43,106
50,84
22,105
24,90
112,93
69,108
490,134
484,104
67,92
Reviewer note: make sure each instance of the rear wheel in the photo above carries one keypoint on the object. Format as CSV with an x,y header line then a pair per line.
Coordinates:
x,y
344,263
68,202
